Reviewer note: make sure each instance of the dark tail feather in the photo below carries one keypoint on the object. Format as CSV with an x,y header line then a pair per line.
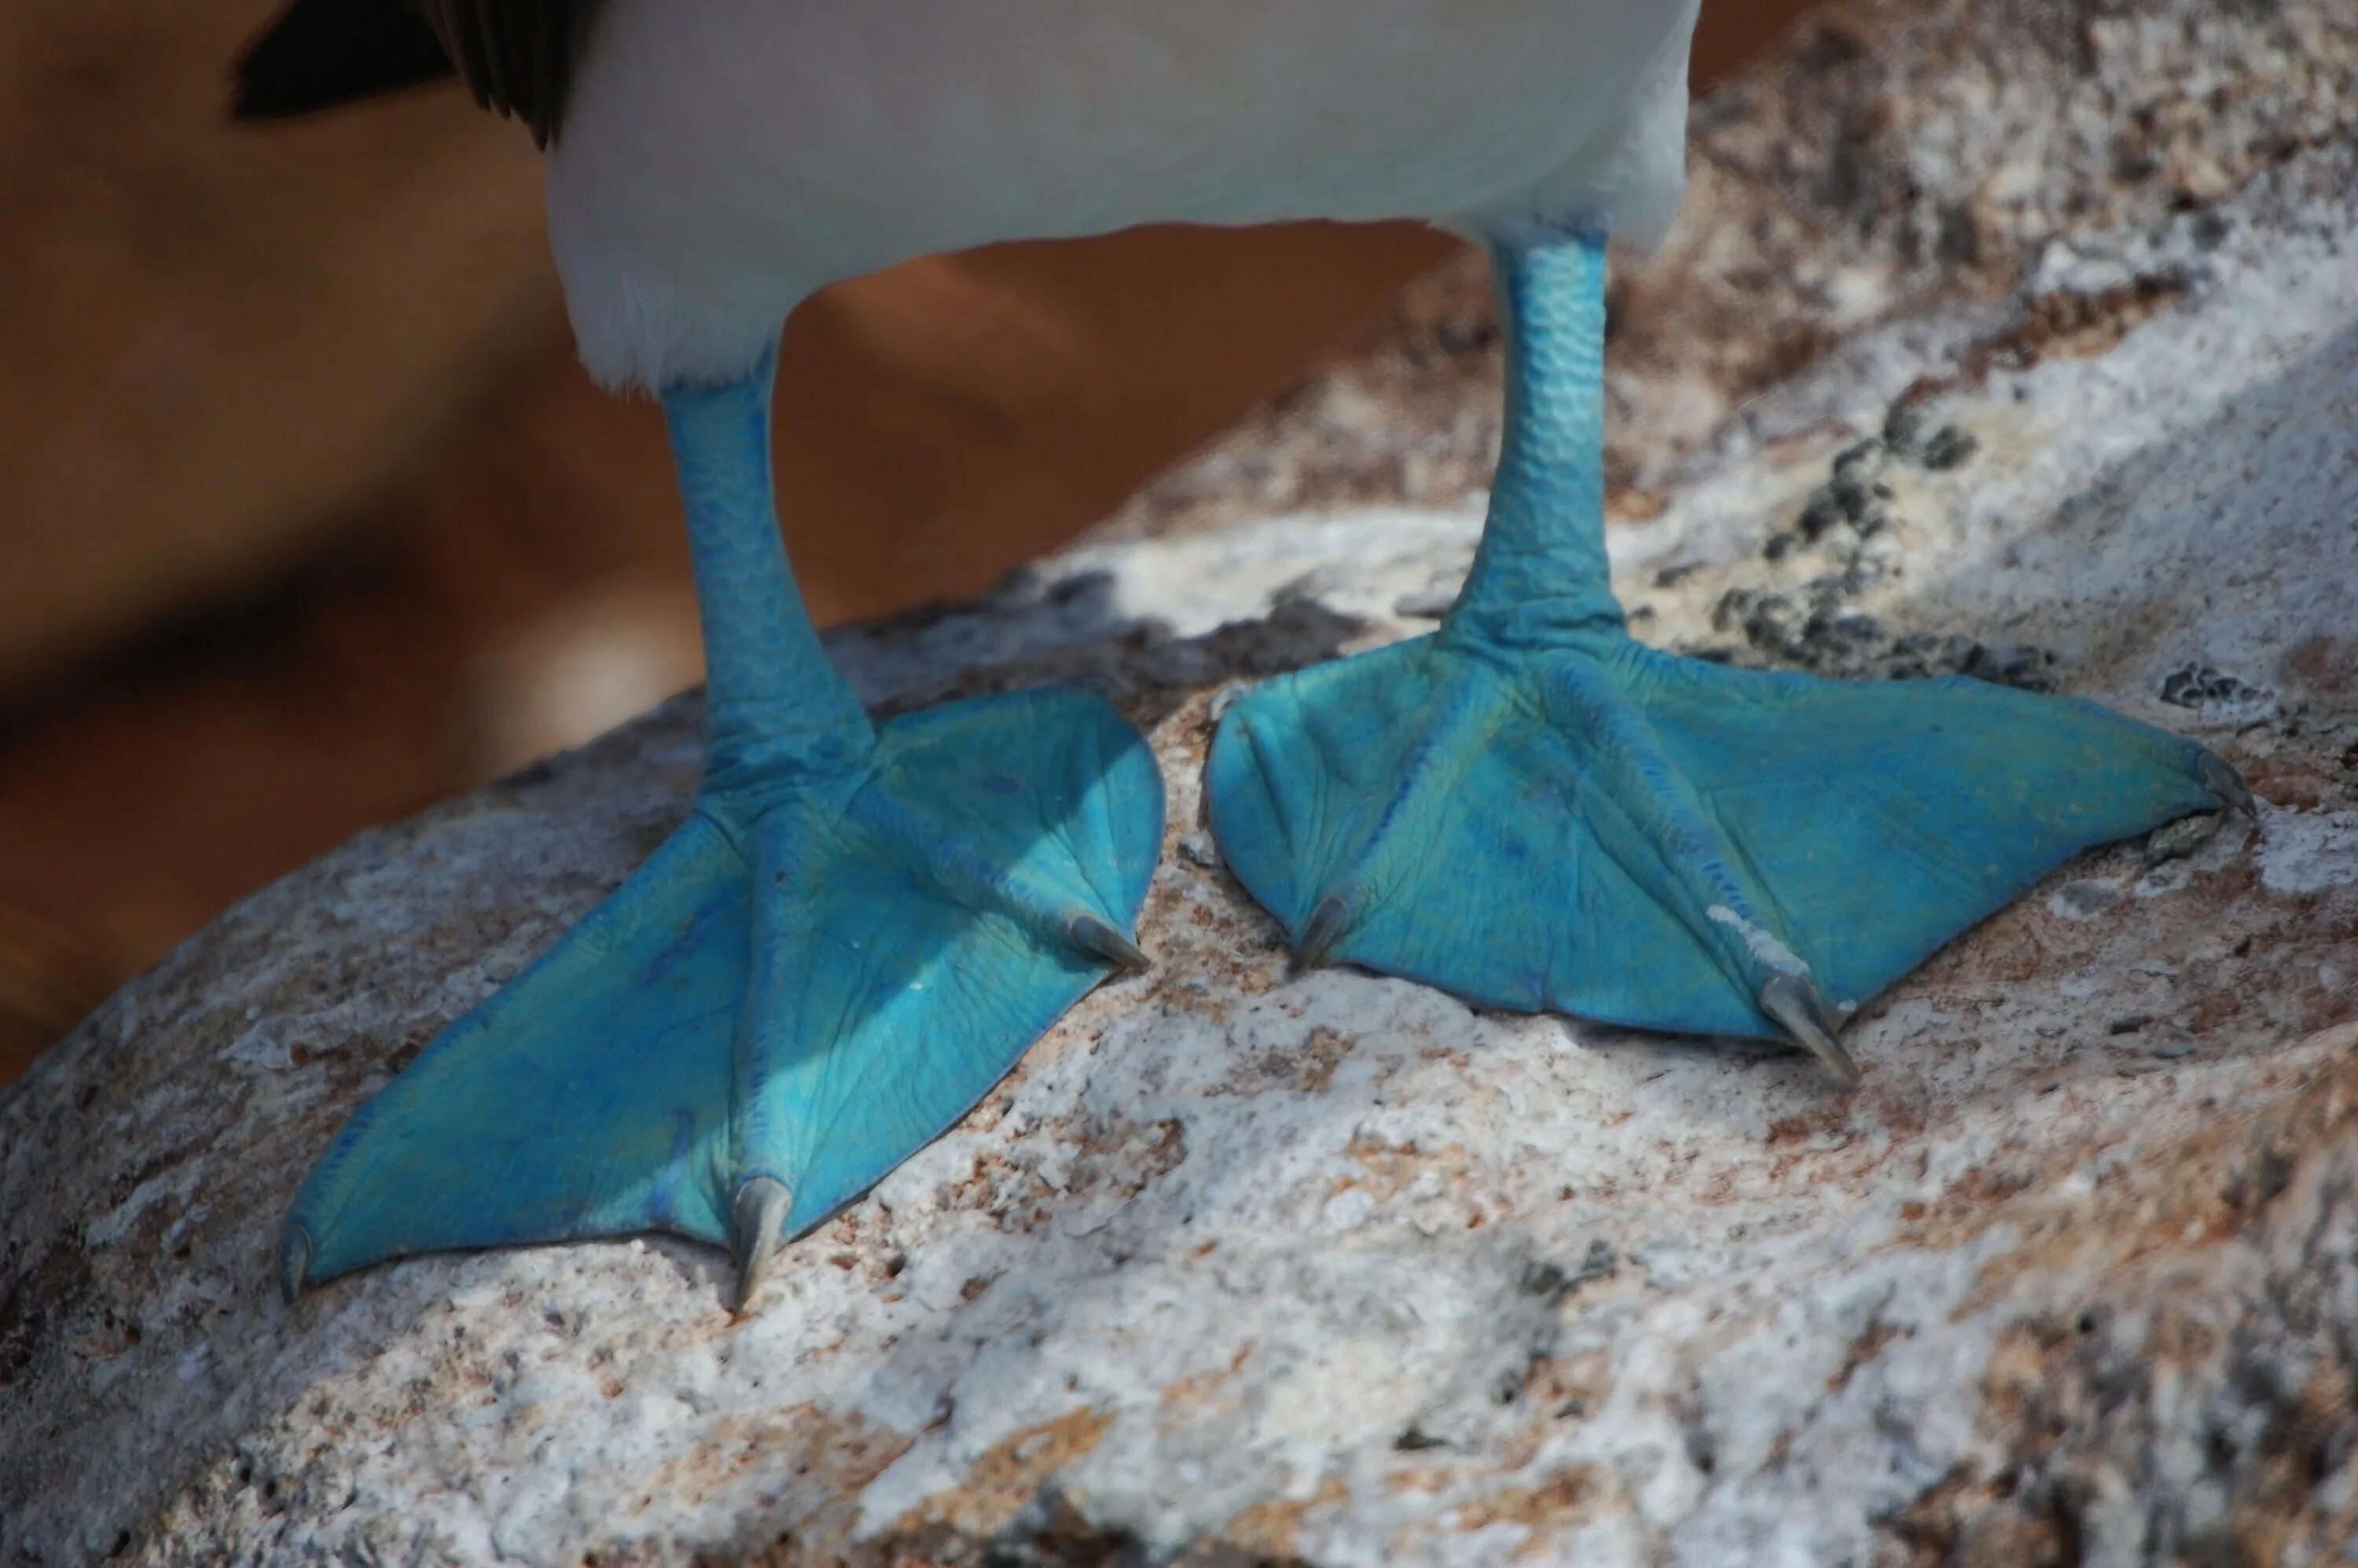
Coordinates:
x,y
321,53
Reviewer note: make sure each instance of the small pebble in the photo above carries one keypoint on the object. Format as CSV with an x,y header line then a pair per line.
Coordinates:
x,y
2180,838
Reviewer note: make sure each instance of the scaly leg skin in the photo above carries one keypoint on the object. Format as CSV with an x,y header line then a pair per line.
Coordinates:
x,y
853,937
1535,812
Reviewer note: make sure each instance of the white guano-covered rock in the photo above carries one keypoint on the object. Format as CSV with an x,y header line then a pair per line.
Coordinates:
x,y
1241,1267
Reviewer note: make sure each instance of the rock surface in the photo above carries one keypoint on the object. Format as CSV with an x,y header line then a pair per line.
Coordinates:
x,y
1239,1267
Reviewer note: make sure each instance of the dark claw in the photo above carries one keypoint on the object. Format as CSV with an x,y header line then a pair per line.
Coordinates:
x,y
294,1262
754,1223
1795,1003
1093,935
1329,923
2229,786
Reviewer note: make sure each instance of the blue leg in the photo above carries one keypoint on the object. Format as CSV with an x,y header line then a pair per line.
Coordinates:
x,y
1534,811
853,937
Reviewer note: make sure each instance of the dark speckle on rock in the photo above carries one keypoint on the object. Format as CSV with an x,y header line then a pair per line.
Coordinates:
x,y
2199,686
2027,669
1950,448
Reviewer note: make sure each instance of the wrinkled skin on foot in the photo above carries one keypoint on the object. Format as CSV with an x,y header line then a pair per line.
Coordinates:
x,y
797,992
853,937
1535,812
1615,833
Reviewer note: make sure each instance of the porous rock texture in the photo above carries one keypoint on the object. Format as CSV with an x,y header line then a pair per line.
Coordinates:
x,y
1241,1267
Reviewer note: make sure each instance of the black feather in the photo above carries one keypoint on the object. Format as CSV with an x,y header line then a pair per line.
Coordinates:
x,y
321,53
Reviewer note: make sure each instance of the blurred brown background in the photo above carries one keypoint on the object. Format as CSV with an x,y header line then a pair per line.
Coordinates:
x,y
310,519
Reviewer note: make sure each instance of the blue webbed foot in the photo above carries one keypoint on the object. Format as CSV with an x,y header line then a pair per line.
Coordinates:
x,y
1606,830
855,935
802,988
1534,811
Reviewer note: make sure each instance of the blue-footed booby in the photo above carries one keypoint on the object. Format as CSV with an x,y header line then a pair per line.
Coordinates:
x,y
861,927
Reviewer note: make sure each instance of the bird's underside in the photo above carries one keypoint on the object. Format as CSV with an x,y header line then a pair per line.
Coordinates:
x,y
714,162
861,928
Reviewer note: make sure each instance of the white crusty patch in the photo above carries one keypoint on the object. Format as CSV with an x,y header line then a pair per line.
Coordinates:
x,y
2307,851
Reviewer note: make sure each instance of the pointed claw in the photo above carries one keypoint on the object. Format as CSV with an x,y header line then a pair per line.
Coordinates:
x,y
2229,786
1795,1003
754,1225
1094,937
1329,924
294,1262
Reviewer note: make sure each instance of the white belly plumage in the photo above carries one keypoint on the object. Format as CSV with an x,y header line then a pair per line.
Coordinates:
x,y
722,159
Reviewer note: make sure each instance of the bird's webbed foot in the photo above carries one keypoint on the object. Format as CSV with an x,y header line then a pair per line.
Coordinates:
x,y
812,978
1591,826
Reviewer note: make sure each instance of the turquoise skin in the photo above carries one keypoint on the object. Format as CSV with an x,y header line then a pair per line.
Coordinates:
x,y
860,930
1533,810
853,937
